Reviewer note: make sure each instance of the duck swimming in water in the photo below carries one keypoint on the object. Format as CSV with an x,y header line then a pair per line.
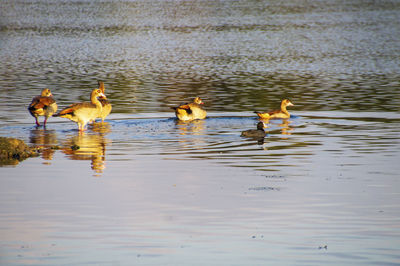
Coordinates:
x,y
190,111
82,113
43,105
282,113
255,133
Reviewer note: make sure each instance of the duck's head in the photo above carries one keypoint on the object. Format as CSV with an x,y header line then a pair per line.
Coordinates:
x,y
198,100
96,93
46,93
101,86
286,103
261,125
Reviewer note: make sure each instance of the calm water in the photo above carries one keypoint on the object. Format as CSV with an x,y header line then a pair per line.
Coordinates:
x,y
322,188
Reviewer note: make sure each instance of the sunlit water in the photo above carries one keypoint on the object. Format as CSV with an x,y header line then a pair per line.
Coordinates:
x,y
322,187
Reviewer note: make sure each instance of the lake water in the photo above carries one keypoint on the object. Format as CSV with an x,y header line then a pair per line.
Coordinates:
x,y
323,188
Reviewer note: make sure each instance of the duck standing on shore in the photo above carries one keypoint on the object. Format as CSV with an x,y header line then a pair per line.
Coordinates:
x,y
190,111
82,113
282,113
43,105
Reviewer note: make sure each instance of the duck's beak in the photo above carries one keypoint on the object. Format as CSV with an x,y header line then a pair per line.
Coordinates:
x,y
290,104
102,95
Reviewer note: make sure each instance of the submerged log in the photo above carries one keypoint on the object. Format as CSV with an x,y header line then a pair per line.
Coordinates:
x,y
12,151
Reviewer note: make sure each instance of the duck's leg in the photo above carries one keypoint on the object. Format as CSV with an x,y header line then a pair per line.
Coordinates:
x,y
45,121
81,127
37,122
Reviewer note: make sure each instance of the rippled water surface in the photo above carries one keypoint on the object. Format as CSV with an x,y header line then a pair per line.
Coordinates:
x,y
321,188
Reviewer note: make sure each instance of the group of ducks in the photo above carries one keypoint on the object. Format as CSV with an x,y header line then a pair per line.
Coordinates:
x,y
81,113
99,107
260,132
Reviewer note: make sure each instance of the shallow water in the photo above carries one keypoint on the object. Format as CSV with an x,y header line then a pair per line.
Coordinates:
x,y
321,188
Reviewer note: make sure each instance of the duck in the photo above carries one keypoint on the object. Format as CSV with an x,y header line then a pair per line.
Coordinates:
x,y
82,113
43,105
282,113
106,105
255,133
190,111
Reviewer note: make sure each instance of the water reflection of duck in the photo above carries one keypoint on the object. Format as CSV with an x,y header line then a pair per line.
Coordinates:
x,y
106,110
282,113
101,128
285,127
192,127
255,133
82,113
43,105
45,140
87,147
190,111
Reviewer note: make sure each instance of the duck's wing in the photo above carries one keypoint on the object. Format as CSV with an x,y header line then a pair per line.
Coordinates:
x,y
73,107
253,133
185,107
262,115
40,102
274,112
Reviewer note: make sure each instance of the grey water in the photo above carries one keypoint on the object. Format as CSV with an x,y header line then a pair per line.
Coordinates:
x,y
323,187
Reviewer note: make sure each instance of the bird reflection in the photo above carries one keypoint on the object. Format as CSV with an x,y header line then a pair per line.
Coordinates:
x,y
285,127
194,127
45,140
190,127
89,146
101,127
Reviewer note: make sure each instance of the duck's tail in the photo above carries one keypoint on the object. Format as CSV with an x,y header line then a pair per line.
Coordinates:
x,y
262,115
